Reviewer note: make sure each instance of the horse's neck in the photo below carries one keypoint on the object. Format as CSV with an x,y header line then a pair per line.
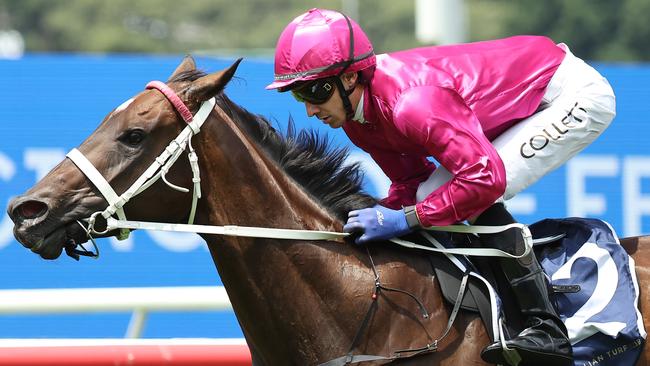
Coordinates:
x,y
245,187
270,282
300,302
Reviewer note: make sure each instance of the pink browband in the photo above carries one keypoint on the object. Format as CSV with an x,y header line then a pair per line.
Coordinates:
x,y
181,108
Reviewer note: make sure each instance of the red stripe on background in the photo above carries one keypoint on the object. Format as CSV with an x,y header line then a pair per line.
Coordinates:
x,y
132,355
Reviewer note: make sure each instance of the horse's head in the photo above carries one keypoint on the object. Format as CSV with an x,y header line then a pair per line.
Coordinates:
x,y
49,216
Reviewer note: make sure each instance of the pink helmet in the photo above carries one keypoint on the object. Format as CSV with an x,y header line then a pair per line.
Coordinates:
x,y
318,44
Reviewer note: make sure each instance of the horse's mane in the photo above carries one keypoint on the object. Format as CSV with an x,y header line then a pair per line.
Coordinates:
x,y
304,155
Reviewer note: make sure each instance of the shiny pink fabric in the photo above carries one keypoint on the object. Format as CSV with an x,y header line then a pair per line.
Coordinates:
x,y
448,103
315,41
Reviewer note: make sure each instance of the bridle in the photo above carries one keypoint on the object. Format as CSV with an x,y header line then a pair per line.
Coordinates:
x,y
157,170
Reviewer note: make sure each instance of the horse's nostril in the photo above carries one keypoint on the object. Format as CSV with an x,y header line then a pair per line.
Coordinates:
x,y
31,209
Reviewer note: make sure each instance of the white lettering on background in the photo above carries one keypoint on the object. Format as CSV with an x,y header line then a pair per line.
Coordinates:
x,y
42,160
636,204
176,242
7,172
579,202
522,204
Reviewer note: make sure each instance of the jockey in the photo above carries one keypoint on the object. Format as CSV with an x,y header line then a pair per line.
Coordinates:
x,y
496,115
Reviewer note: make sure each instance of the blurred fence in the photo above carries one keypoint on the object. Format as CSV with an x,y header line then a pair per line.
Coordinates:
x,y
139,301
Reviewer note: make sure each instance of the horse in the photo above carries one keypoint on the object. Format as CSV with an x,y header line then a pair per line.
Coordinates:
x,y
298,302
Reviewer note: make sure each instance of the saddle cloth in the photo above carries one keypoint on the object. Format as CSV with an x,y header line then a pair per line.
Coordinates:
x,y
603,320
596,289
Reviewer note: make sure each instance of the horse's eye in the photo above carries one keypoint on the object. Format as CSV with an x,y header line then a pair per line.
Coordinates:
x,y
133,137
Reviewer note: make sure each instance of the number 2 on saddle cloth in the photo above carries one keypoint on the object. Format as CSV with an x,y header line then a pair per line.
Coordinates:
x,y
602,318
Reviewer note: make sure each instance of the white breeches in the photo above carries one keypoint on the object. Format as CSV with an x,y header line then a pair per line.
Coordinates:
x,y
577,107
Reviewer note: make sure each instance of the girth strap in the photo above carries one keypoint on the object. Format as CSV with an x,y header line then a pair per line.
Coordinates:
x,y
349,358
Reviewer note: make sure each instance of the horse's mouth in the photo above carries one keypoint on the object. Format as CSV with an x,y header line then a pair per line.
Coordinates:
x,y
51,245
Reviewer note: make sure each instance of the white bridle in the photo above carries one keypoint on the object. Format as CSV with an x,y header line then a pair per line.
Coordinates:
x,y
158,169
161,165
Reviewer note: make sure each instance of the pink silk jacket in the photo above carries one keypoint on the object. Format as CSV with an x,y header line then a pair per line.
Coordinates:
x,y
448,103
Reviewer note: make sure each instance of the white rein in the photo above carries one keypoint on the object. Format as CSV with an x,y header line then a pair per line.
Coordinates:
x,y
161,165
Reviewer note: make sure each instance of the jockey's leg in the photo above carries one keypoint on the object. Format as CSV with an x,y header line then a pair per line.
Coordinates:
x,y
577,107
544,340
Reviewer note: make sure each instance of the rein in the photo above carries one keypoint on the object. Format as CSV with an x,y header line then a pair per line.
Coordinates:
x,y
161,165
272,233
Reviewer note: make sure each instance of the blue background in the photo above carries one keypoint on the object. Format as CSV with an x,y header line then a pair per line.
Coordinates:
x,y
50,103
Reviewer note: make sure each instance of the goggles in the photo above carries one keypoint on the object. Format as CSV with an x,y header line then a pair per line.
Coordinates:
x,y
315,92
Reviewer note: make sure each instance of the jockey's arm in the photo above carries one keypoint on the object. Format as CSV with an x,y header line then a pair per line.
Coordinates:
x,y
439,120
406,173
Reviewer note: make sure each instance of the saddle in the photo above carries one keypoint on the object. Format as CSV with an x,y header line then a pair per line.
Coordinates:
x,y
581,258
480,295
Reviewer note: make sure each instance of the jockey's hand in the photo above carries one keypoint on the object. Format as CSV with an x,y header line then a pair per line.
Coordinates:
x,y
376,223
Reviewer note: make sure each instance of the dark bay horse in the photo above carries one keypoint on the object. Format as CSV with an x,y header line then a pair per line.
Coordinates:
x,y
298,302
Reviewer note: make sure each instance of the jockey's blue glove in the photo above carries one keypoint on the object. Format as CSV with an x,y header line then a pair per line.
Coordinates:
x,y
376,223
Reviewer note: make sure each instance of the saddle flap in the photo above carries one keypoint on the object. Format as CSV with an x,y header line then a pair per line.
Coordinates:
x,y
477,296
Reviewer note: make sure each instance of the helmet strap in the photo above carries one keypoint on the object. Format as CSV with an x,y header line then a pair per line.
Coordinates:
x,y
345,97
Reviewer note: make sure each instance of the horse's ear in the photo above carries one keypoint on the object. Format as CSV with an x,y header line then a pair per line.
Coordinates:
x,y
187,64
210,85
